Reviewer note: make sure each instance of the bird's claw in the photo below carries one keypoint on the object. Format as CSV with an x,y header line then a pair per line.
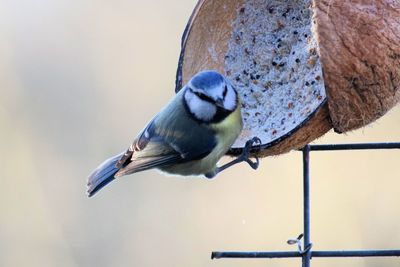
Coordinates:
x,y
249,144
253,165
246,152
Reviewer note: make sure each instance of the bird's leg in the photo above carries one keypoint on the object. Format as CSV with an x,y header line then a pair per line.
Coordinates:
x,y
245,156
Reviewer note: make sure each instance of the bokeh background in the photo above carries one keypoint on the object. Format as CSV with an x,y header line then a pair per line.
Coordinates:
x,y
79,79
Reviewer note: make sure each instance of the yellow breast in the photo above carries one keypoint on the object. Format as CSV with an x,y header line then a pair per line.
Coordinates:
x,y
227,131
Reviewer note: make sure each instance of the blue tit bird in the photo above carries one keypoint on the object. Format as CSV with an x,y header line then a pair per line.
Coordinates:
x,y
188,137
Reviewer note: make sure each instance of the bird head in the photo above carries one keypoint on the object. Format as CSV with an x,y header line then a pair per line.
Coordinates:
x,y
210,97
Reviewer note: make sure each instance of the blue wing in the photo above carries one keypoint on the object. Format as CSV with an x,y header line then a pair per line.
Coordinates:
x,y
157,147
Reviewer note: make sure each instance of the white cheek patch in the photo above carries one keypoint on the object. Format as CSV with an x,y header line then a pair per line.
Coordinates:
x,y
201,109
230,99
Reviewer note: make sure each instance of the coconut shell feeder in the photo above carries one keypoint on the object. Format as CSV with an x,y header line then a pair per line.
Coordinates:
x,y
301,67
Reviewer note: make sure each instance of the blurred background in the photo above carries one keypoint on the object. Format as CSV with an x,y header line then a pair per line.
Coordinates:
x,y
79,79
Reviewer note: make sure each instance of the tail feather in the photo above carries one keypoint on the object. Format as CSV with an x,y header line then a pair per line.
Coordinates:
x,y
103,175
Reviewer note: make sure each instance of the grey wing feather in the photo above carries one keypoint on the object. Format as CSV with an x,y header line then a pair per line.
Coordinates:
x,y
138,144
143,164
148,151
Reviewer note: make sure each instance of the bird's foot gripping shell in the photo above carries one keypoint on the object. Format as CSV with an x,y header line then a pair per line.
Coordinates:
x,y
244,157
248,147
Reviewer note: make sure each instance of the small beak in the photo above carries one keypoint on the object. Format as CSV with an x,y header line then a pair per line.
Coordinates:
x,y
219,102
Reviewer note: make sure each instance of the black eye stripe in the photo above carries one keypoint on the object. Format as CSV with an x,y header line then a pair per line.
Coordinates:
x,y
225,91
204,97
207,98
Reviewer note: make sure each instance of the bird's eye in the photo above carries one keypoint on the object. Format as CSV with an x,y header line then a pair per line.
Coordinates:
x,y
225,91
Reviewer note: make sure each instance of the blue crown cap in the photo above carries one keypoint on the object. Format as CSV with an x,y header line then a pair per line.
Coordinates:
x,y
206,80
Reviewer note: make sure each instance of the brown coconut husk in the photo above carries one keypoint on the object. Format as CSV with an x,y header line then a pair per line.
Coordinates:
x,y
359,51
